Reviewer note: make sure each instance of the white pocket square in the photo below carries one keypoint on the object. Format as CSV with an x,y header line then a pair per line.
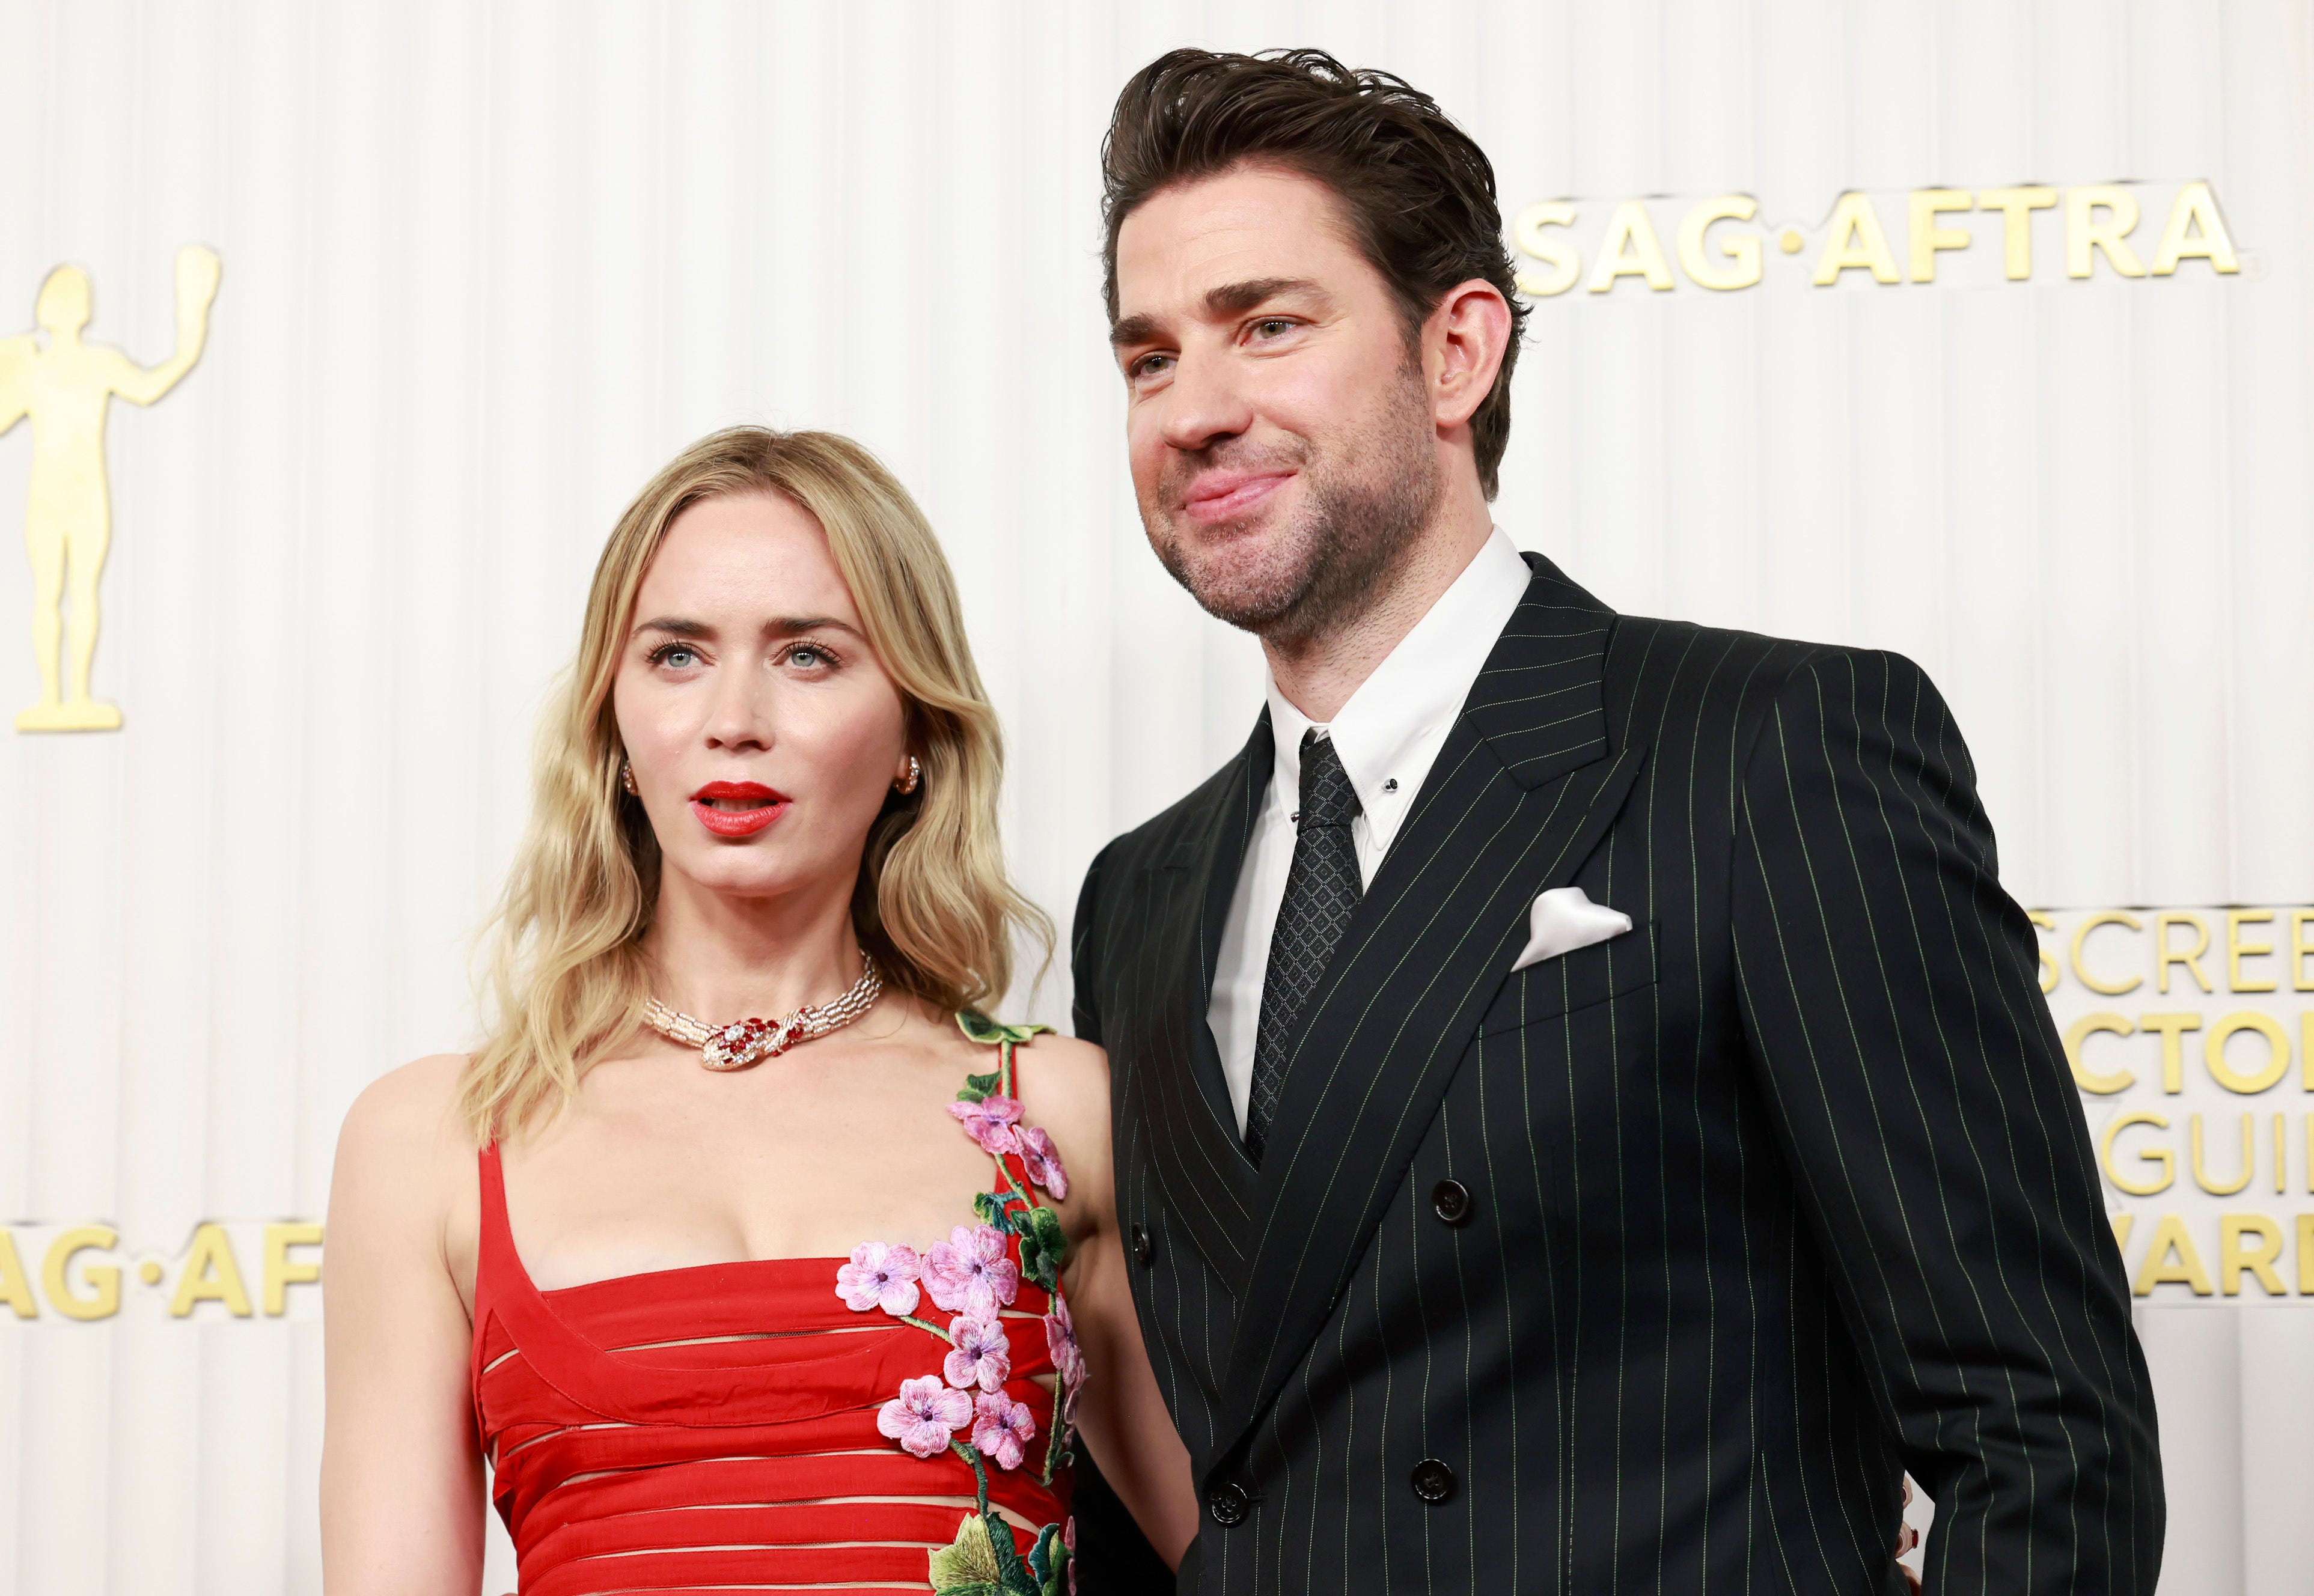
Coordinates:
x,y
1564,920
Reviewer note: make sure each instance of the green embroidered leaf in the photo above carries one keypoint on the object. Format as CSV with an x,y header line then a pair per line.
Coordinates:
x,y
978,1088
1048,1563
988,1033
1002,1210
1018,1580
1042,1246
982,1561
967,1565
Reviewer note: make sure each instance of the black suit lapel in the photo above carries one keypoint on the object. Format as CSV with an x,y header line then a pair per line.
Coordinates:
x,y
1523,791
1211,1188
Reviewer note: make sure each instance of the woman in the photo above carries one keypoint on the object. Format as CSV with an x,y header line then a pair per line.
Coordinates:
x,y
744,1252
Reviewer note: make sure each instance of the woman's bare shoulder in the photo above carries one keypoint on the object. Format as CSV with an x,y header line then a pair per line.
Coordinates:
x,y
1066,1081
406,1123
1083,1064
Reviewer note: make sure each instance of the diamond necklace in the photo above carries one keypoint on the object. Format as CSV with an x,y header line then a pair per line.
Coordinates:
x,y
744,1042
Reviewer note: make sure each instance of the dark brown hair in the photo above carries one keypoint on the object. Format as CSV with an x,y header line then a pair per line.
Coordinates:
x,y
1417,191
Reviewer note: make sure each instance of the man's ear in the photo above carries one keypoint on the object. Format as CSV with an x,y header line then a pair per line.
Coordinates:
x,y
1462,347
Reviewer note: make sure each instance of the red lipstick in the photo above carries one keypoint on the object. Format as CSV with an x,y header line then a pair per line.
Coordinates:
x,y
736,808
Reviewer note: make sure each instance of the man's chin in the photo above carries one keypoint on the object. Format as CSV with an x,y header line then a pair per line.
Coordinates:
x,y
1250,604
1238,579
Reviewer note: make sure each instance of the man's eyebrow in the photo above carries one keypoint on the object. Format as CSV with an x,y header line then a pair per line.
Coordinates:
x,y
1231,299
1133,330
1234,299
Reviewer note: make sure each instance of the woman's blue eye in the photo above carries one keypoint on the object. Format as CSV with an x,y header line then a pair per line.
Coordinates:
x,y
675,654
807,656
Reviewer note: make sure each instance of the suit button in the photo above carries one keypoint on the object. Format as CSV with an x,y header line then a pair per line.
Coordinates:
x,y
1227,1502
1433,1482
1451,1201
1144,1248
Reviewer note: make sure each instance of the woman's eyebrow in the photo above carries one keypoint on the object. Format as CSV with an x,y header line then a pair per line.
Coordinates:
x,y
678,626
788,626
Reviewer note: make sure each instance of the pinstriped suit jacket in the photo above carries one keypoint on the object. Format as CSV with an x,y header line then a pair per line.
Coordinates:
x,y
1782,1193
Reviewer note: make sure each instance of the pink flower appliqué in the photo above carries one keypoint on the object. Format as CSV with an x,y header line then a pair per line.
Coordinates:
x,y
990,1123
1068,1359
969,1273
925,1414
982,1355
1002,1428
879,1276
1069,1539
1043,1159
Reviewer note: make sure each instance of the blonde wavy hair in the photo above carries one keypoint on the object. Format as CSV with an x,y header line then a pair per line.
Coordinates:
x,y
566,976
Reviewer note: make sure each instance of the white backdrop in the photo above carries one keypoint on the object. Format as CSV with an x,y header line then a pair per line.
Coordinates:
x,y
487,265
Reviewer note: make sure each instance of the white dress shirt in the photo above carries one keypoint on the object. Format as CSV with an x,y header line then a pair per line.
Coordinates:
x,y
1387,735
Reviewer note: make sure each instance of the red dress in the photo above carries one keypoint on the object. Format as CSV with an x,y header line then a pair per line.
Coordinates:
x,y
789,1423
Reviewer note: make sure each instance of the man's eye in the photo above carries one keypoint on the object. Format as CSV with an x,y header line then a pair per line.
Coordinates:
x,y
1150,365
1272,326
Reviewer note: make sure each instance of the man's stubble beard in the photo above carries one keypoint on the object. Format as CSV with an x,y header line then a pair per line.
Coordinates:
x,y
1353,534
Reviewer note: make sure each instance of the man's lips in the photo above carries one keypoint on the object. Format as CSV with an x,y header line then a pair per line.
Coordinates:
x,y
736,808
1225,495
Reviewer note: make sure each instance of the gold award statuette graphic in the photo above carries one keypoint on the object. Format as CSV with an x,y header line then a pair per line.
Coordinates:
x,y
65,387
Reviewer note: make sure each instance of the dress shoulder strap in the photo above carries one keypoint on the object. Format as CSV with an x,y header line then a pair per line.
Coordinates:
x,y
496,1263
989,1106
1005,1038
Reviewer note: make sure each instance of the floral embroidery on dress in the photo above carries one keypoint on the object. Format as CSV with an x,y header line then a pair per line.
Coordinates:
x,y
968,1273
990,1122
1002,1428
974,1275
924,1415
880,1277
1068,1360
981,1357
1043,1159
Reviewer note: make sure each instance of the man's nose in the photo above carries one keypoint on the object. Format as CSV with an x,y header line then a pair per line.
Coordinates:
x,y
1203,403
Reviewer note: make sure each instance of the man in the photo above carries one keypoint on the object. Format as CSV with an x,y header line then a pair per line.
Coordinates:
x,y
1585,1117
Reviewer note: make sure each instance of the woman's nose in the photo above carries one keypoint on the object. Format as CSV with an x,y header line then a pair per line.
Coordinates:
x,y
741,714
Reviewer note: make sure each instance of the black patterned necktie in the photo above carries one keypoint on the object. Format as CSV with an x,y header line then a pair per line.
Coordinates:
x,y
1322,889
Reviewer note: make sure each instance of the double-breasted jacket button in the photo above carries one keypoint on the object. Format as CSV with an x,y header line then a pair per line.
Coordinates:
x,y
1450,1200
1433,1482
1228,1503
1144,1248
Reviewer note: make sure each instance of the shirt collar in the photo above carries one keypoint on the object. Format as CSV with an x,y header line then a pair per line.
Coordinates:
x,y
1403,709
